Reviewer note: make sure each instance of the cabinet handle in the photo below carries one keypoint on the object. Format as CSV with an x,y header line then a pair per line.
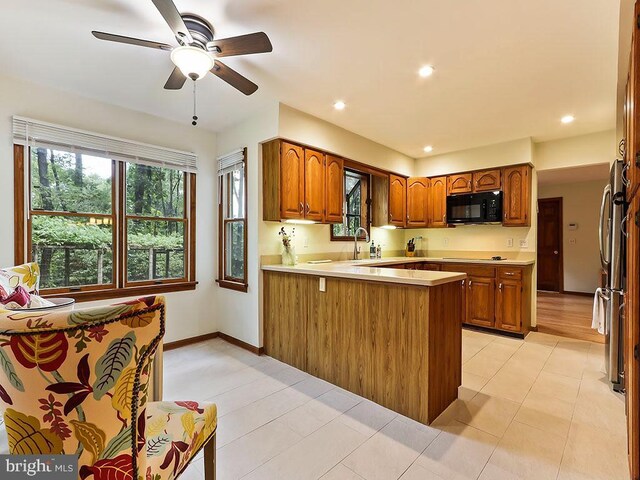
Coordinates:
x,y
623,225
500,286
625,180
301,208
463,282
308,208
470,282
444,218
509,273
506,216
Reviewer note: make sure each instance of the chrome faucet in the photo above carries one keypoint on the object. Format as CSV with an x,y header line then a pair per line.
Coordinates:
x,y
356,250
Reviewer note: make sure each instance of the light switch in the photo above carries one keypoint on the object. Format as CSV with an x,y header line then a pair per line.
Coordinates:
x,y
306,242
445,241
572,241
509,242
323,284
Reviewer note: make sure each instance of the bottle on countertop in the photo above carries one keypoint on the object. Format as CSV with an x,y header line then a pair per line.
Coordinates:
x,y
379,251
372,250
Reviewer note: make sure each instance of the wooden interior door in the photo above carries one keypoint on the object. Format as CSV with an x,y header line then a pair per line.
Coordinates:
x,y
314,185
397,200
481,301
550,258
509,305
291,181
335,189
438,202
517,196
417,202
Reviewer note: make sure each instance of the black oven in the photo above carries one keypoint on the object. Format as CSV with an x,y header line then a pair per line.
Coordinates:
x,y
483,207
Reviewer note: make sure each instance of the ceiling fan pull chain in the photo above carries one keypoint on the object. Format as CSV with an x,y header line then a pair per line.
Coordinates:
x,y
195,117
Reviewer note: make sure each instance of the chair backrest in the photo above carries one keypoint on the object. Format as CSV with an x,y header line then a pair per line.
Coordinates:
x,y
27,276
76,383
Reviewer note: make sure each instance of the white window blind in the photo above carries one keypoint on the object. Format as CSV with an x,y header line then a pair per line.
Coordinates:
x,y
231,161
34,133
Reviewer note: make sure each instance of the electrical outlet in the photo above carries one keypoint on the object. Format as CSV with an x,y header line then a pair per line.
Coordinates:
x,y
445,241
524,243
509,242
305,242
323,284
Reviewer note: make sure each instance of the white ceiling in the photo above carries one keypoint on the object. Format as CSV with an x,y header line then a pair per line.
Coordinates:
x,y
584,173
505,69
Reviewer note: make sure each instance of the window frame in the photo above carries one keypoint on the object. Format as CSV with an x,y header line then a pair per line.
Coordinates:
x,y
224,280
120,287
366,201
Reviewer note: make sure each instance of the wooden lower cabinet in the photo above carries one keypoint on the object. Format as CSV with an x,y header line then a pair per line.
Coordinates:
x,y
509,305
481,298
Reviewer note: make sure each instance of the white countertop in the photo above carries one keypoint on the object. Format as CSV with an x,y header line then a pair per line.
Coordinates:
x,y
484,261
366,270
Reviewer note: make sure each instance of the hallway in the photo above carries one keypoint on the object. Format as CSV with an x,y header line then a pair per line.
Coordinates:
x,y
566,316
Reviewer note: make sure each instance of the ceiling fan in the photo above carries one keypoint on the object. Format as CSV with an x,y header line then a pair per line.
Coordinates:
x,y
199,49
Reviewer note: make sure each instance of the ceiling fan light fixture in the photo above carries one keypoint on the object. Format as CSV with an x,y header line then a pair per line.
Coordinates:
x,y
193,62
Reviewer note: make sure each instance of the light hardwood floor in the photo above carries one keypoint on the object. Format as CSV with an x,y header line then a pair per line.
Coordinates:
x,y
566,316
538,409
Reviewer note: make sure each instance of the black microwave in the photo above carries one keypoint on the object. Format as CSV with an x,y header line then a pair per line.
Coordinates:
x,y
483,207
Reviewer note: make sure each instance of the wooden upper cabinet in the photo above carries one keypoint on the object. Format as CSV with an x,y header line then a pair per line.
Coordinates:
x,y
517,196
509,300
487,180
314,185
438,202
397,200
417,202
459,183
334,197
292,179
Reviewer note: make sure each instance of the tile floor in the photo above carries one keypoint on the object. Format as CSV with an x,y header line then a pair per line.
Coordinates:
x,y
534,409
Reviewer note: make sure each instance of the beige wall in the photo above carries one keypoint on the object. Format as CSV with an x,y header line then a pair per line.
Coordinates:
x,y
581,205
188,313
575,151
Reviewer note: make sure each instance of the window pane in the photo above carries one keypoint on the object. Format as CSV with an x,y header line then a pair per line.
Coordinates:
x,y
155,250
235,190
234,250
72,251
154,191
68,182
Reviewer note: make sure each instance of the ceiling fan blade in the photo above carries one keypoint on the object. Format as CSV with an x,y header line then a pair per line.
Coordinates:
x,y
242,45
172,16
176,80
110,37
233,78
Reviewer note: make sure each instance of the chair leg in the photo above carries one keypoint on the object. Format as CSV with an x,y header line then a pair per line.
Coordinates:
x,y
210,459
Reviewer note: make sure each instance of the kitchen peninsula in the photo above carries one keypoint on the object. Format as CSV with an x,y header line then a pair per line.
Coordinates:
x,y
390,335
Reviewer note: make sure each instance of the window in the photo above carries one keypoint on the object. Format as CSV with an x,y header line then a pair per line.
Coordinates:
x,y
232,214
356,206
100,225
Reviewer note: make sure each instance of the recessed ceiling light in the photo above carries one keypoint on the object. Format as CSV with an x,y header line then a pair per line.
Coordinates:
x,y
426,71
428,149
339,105
567,119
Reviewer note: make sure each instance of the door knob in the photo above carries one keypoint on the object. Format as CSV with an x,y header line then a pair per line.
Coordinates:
x,y
555,252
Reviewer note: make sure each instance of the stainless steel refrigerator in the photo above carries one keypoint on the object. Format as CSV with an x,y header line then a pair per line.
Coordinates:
x,y
612,256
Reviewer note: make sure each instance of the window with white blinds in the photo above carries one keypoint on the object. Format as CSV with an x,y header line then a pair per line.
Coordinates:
x,y
232,213
37,134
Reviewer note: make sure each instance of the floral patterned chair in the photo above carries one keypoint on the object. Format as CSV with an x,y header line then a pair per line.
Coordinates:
x,y
76,382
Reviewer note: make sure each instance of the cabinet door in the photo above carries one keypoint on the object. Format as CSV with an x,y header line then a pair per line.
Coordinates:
x,y
417,202
397,200
517,196
438,202
509,305
459,183
487,180
335,189
481,301
291,181
314,178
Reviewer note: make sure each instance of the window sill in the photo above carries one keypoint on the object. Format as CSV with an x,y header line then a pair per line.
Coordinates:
x,y
237,286
114,293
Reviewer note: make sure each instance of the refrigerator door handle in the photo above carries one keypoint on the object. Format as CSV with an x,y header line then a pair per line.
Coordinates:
x,y
604,260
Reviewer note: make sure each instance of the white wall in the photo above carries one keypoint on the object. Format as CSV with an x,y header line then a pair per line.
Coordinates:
x,y
188,313
581,205
575,151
